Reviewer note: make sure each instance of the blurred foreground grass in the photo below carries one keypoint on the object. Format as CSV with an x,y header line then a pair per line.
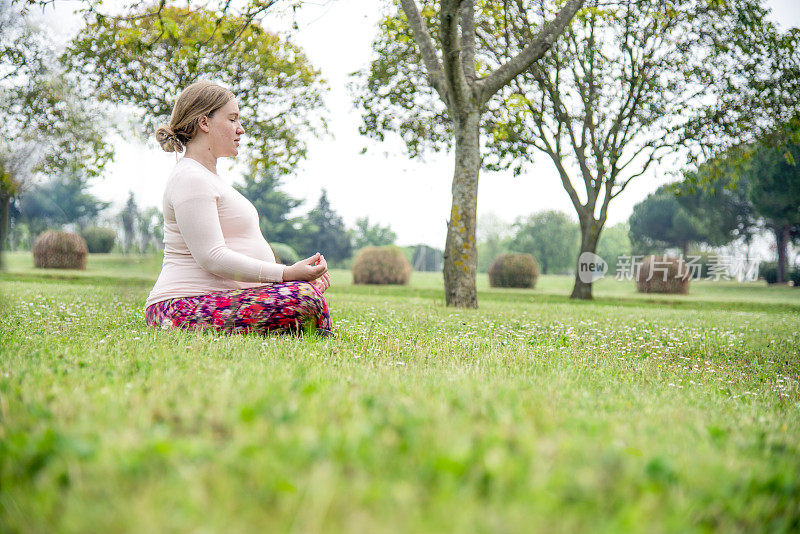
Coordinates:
x,y
629,413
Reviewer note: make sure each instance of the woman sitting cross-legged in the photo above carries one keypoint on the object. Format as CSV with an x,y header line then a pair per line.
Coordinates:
x,y
219,272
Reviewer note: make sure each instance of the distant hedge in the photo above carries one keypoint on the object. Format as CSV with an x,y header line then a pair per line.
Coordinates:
x,y
99,240
769,271
794,276
285,254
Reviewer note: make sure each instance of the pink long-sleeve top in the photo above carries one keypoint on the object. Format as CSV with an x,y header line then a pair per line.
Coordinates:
x,y
212,240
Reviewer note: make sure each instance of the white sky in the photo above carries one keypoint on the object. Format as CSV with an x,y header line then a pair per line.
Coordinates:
x,y
412,197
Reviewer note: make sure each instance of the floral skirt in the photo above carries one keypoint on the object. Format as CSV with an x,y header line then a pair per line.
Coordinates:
x,y
281,307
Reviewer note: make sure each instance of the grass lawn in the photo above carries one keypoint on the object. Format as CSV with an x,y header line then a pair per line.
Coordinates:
x,y
632,412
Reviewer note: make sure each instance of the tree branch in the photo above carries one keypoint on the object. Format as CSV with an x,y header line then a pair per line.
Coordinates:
x,y
488,86
562,172
423,39
449,36
468,39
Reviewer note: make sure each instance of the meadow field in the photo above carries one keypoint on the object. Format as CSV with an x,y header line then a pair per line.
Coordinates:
x,y
629,413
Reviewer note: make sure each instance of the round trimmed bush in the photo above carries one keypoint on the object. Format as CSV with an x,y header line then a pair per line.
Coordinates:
x,y
60,250
99,240
514,270
285,254
663,274
381,265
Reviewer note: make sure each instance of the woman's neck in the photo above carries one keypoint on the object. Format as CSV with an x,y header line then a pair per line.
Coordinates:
x,y
203,156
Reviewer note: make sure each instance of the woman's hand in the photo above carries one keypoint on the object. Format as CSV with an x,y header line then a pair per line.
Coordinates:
x,y
306,270
322,283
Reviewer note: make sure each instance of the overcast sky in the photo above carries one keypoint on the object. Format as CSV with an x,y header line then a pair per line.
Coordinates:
x,y
412,197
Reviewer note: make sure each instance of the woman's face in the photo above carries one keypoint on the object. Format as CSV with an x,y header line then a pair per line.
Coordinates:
x,y
225,130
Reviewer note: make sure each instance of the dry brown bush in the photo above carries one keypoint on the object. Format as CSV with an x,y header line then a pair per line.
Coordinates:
x,y
663,274
514,270
381,265
60,250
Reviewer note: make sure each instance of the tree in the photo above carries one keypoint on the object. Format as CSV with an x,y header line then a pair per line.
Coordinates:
x,y
10,184
61,201
273,206
367,235
453,84
152,12
48,128
146,62
325,232
494,237
755,84
614,242
774,178
721,206
659,221
127,218
551,237
607,102
150,227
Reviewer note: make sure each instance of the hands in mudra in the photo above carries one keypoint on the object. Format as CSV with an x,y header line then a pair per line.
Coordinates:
x,y
313,270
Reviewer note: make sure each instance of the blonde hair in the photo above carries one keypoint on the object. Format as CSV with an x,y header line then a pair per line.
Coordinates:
x,y
198,100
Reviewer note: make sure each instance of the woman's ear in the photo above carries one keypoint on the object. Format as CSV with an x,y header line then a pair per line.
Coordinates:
x,y
202,123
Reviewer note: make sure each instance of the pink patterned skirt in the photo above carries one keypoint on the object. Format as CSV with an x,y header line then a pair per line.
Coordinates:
x,y
281,307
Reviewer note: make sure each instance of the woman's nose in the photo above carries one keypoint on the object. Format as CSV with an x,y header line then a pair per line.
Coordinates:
x,y
240,130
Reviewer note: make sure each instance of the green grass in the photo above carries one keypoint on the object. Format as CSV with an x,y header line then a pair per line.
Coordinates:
x,y
632,413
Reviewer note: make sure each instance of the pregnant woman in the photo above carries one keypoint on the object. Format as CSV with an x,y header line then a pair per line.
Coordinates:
x,y
219,272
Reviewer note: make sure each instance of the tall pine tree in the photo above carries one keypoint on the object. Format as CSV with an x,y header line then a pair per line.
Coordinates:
x,y
324,231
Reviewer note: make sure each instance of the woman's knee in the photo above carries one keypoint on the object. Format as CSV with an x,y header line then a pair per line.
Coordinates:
x,y
310,299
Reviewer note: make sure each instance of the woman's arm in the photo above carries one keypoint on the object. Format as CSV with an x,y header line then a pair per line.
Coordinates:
x,y
198,222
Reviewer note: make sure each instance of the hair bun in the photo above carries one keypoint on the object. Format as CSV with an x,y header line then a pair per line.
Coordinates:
x,y
168,140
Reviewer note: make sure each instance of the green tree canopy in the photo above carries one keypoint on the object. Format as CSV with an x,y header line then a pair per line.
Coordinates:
x,y
324,231
371,235
432,80
127,217
773,175
614,242
145,63
722,206
659,221
273,206
49,128
755,83
60,201
494,237
607,102
551,237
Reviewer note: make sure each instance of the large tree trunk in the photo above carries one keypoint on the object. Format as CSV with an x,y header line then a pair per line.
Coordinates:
x,y
460,253
782,242
5,207
590,234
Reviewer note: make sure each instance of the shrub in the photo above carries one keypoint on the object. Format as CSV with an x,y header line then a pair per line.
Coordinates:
x,y
769,271
663,274
99,240
514,270
285,254
794,276
381,265
60,250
